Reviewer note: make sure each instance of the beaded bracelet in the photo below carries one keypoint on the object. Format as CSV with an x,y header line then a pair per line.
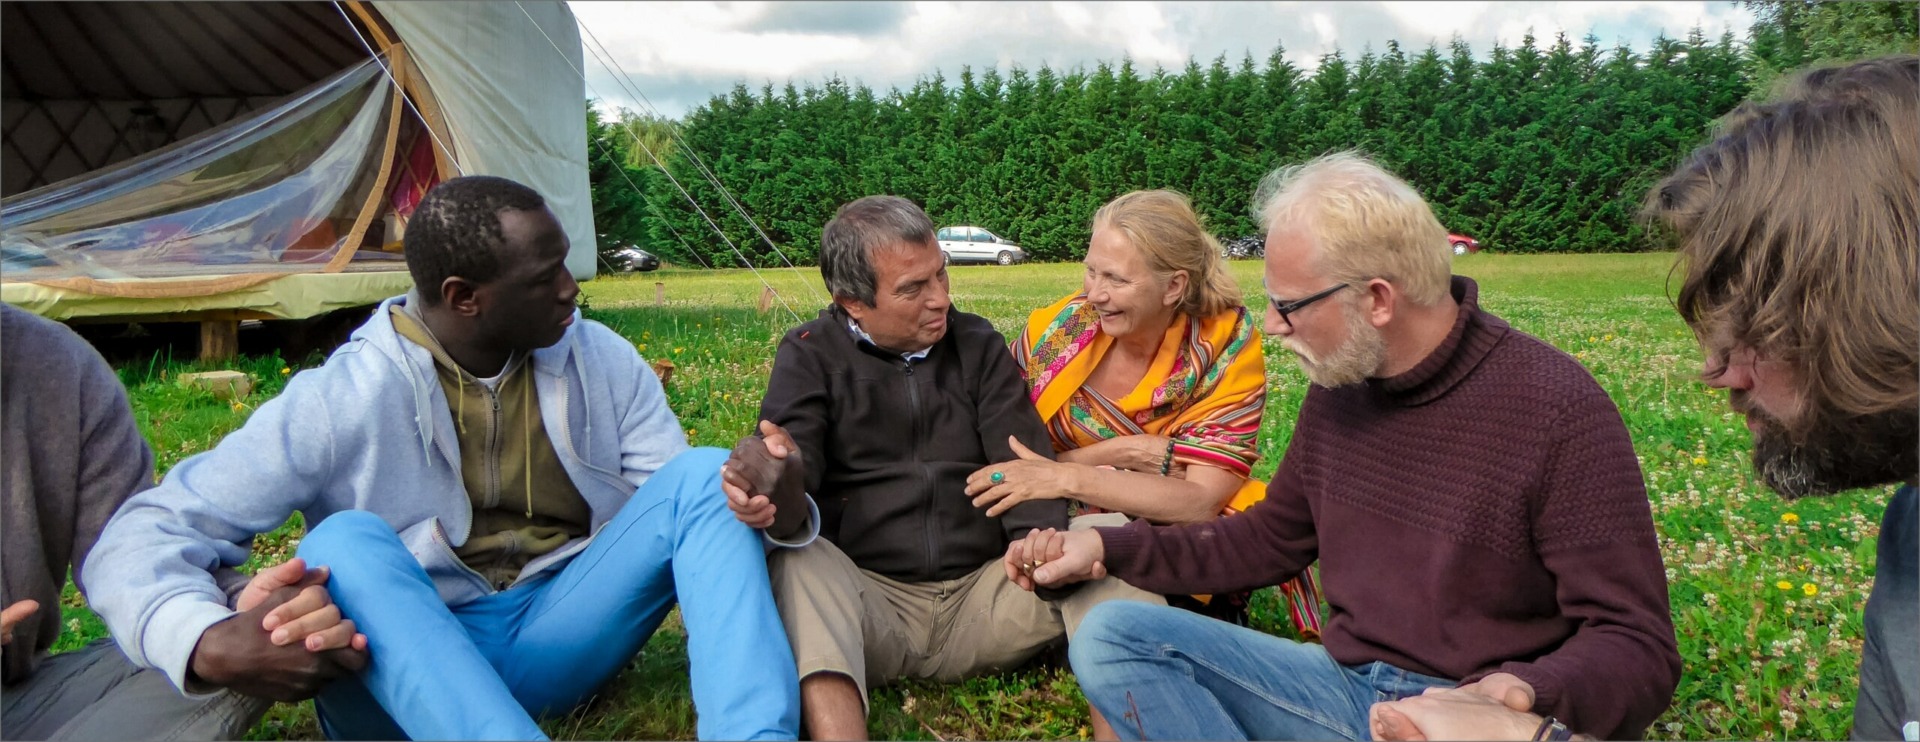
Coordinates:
x,y
1166,464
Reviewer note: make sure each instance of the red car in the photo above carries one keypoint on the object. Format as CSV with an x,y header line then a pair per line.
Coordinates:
x,y
1463,244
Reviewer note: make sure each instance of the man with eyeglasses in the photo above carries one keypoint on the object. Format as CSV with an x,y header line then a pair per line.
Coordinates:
x,y
1470,492
1801,294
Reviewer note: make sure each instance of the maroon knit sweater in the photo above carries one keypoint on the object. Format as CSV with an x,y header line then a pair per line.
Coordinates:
x,y
1480,513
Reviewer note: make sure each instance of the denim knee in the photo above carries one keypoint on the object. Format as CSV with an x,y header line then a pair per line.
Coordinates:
x,y
344,534
1113,631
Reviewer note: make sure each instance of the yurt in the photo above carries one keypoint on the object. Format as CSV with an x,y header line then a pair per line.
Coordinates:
x,y
216,162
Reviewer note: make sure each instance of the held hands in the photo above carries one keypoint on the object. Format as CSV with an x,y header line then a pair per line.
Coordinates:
x,y
765,481
1449,715
287,641
1504,687
1050,558
1495,707
310,617
1009,483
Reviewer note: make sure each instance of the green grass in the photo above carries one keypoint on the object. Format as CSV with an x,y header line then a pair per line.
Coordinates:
x,y
1761,661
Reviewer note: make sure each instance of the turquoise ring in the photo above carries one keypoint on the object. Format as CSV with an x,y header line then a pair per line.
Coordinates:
x,y
997,478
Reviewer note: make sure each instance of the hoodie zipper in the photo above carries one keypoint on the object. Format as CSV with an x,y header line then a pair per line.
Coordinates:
x,y
492,496
926,478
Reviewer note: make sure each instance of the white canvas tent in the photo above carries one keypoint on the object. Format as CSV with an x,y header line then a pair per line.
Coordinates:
x,y
212,161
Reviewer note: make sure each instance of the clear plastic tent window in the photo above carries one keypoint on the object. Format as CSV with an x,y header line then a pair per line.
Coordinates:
x,y
275,192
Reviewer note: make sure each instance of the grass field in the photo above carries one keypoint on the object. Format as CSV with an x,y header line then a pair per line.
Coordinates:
x,y
1766,595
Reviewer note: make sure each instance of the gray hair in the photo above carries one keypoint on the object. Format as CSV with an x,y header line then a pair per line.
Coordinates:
x,y
1367,222
859,229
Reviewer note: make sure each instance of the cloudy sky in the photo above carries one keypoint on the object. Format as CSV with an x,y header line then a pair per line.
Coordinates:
x,y
680,54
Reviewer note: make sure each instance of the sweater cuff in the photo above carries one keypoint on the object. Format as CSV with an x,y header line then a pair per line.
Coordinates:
x,y
1120,545
813,531
172,632
1546,689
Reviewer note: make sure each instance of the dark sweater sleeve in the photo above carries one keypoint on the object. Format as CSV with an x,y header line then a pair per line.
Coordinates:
x,y
1594,531
796,399
1005,410
1264,546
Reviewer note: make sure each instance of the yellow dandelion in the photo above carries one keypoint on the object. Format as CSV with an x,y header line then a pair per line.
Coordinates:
x,y
643,347
285,370
1699,461
1783,585
1592,339
1810,589
677,350
1789,517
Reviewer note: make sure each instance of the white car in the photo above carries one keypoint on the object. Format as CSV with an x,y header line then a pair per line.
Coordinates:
x,y
976,245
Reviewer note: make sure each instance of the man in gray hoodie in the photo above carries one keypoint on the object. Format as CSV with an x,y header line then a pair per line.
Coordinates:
x,y
72,455
507,505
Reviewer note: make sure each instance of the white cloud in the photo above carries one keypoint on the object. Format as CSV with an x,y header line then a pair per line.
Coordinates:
x,y
682,54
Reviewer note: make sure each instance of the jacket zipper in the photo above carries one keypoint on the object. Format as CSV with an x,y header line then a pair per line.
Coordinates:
x,y
926,479
492,496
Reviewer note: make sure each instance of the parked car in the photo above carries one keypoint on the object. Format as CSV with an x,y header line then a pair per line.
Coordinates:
x,y
967,244
631,259
1463,244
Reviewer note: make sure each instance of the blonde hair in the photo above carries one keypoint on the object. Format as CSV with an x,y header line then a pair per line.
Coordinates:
x,y
1796,228
1367,222
1166,231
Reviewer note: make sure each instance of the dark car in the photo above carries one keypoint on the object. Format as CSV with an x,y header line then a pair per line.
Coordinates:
x,y
1251,246
631,259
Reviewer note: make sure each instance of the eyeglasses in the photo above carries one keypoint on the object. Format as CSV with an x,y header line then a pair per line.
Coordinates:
x,y
1287,308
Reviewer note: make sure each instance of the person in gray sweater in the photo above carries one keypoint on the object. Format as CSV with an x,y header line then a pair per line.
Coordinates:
x,y
70,454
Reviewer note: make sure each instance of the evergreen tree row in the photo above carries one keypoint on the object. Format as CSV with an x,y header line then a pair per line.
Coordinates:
x,y
1530,149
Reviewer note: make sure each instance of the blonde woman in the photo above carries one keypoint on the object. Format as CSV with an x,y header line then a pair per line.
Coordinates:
x,y
1151,382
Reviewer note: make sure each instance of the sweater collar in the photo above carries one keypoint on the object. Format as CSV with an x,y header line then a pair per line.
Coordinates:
x,y
1474,334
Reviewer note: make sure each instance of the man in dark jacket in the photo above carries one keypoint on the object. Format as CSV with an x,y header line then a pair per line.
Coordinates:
x,y
888,401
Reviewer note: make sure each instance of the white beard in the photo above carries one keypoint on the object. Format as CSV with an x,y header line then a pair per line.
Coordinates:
x,y
1358,358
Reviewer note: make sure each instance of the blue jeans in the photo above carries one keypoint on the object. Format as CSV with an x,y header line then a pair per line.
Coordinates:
x,y
484,669
1165,673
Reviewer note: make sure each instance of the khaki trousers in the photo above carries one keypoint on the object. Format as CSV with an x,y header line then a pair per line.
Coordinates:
x,y
875,629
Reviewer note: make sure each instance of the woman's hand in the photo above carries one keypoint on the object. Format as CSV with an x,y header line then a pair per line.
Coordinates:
x,y
1001,486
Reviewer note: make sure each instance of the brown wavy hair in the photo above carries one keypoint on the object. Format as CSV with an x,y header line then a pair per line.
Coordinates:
x,y
1798,232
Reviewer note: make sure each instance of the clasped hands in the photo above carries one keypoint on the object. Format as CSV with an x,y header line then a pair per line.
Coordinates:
x,y
287,641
